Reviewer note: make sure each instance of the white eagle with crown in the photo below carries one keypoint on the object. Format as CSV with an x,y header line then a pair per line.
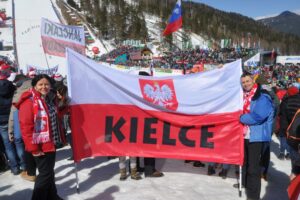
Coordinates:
x,y
160,95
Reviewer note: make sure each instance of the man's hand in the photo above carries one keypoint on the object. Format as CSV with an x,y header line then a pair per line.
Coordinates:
x,y
11,137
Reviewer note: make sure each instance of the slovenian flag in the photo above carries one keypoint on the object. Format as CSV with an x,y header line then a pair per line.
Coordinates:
x,y
191,117
175,21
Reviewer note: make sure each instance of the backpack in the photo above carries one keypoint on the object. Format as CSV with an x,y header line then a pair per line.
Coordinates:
x,y
293,132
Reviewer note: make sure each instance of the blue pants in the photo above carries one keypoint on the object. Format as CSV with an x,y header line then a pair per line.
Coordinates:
x,y
283,145
15,150
19,144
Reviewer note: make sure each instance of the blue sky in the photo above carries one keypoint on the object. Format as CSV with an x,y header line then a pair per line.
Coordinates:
x,y
254,8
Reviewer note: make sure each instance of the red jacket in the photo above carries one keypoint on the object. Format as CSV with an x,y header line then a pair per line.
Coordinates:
x,y
26,118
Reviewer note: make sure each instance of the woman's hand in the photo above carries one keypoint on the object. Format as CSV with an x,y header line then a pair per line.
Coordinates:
x,y
40,153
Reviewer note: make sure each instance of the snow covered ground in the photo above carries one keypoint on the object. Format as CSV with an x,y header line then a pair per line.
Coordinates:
x,y
99,179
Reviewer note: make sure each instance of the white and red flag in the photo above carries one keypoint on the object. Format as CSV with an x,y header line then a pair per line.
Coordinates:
x,y
193,117
175,21
57,37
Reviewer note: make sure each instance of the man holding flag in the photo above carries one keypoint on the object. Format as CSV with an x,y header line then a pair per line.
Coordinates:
x,y
175,21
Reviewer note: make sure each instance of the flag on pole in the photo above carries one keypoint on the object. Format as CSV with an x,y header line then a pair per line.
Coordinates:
x,y
57,37
175,21
193,117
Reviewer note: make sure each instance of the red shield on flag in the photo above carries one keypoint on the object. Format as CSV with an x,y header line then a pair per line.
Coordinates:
x,y
159,92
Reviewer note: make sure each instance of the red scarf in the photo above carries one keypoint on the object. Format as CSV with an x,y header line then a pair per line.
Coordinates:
x,y
41,119
247,99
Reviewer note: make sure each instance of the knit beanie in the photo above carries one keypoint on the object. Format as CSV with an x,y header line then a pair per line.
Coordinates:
x,y
292,91
4,71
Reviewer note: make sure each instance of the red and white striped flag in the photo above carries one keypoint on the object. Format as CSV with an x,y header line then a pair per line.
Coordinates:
x,y
193,117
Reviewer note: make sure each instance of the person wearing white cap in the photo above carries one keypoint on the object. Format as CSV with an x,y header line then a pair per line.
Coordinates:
x,y
58,77
31,74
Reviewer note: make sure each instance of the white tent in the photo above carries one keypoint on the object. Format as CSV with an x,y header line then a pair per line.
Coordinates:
x,y
253,61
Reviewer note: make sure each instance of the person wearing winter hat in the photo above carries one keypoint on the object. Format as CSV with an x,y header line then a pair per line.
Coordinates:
x,y
23,84
266,151
31,74
4,71
58,77
6,94
288,107
293,90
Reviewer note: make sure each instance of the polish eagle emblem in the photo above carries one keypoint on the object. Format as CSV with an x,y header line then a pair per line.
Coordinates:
x,y
160,93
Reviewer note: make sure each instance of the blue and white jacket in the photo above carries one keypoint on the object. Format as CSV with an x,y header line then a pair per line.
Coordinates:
x,y
261,116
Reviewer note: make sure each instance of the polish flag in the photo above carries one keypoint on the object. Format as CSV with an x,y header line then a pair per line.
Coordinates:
x,y
192,117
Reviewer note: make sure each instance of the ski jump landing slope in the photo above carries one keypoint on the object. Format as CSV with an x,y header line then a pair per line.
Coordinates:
x,y
30,52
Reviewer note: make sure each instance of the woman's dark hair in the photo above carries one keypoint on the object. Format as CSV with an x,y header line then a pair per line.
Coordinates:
x,y
37,78
62,90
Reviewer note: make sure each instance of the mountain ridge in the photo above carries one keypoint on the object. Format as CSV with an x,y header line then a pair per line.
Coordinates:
x,y
287,22
120,20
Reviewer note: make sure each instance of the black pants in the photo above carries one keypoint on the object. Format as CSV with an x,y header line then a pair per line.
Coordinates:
x,y
30,164
44,187
252,169
149,164
265,157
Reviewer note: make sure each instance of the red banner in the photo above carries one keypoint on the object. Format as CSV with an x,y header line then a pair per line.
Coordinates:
x,y
115,130
58,47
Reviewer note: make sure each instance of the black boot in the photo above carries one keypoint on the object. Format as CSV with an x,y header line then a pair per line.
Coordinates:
x,y
210,170
198,164
223,173
139,169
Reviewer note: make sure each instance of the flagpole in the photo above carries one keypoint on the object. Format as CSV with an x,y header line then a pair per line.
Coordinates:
x,y
14,35
240,182
46,59
77,180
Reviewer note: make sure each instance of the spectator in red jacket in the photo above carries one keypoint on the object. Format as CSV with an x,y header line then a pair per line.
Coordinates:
x,y
40,132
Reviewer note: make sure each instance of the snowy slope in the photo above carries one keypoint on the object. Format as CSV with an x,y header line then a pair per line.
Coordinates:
x,y
99,180
29,47
28,35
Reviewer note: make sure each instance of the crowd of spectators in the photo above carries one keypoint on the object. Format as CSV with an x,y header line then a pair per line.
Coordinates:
x,y
176,59
278,75
281,76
